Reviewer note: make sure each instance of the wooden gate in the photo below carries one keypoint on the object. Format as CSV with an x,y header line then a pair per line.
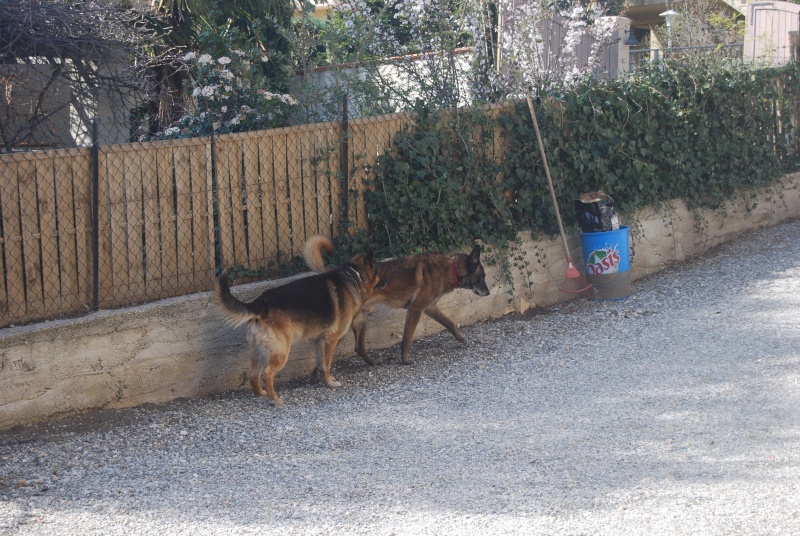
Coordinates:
x,y
771,30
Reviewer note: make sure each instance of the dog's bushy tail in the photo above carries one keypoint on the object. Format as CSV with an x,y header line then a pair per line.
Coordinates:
x,y
312,253
237,311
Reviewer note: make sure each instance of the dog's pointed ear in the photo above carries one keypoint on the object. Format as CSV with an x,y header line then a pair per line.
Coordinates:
x,y
474,257
371,259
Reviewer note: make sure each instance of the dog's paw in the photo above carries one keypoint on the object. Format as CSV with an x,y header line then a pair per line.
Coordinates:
x,y
333,382
255,385
367,359
316,375
277,402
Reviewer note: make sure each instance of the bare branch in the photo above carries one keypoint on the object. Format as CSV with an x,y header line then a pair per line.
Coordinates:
x,y
60,55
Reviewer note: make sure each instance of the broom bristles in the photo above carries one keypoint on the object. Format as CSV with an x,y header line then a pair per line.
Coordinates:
x,y
575,283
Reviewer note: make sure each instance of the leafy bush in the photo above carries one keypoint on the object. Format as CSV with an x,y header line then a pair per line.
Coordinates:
x,y
670,133
438,186
701,135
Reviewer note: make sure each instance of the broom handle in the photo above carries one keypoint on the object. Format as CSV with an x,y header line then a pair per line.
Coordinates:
x,y
547,172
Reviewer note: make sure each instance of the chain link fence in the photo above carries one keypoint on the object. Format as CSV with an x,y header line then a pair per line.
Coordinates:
x,y
87,223
644,58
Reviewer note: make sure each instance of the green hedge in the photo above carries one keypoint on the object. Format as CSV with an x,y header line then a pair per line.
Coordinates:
x,y
701,135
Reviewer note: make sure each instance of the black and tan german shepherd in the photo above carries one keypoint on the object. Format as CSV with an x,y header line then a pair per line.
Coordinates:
x,y
318,307
414,283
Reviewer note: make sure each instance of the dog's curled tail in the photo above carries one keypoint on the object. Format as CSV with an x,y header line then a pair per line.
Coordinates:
x,y
312,253
237,311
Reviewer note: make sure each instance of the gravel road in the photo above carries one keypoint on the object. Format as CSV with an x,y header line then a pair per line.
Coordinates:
x,y
675,411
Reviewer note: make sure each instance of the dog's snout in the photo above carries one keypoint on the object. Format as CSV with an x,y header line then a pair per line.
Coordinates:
x,y
483,291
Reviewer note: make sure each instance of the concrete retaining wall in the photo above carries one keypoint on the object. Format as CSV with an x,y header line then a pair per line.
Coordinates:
x,y
181,347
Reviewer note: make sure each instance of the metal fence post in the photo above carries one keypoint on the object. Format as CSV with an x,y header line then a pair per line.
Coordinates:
x,y
95,215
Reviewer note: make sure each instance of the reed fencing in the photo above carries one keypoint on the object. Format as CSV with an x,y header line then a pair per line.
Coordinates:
x,y
104,227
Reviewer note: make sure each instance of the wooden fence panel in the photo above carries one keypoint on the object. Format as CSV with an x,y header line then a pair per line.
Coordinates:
x,y
44,262
223,181
269,214
202,253
238,208
113,273
252,202
318,179
309,185
66,239
5,316
370,137
158,232
81,173
48,226
134,225
16,306
152,226
358,149
231,209
184,220
335,177
211,223
158,237
282,199
167,220
324,166
104,268
8,310
31,237
295,191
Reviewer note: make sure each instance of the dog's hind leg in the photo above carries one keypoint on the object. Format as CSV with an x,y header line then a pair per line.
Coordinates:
x,y
316,374
327,345
276,362
278,353
441,318
359,327
257,364
412,319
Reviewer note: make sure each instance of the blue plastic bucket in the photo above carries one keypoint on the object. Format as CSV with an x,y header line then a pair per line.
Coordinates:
x,y
607,263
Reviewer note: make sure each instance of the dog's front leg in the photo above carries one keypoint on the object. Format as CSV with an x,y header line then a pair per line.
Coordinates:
x,y
328,345
435,313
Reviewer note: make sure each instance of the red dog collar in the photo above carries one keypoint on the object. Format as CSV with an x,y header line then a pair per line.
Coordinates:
x,y
455,274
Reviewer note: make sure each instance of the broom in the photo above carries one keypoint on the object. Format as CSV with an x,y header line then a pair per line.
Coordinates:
x,y
574,283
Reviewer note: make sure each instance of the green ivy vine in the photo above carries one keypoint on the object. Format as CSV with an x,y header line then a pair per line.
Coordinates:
x,y
702,135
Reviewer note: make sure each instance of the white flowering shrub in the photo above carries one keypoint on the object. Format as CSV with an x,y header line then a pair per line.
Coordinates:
x,y
447,53
386,56
228,94
538,42
342,56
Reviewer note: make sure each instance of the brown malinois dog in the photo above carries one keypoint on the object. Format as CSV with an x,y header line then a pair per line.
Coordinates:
x,y
414,283
319,307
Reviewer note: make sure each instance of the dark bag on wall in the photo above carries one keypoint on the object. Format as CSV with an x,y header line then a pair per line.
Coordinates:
x,y
595,212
